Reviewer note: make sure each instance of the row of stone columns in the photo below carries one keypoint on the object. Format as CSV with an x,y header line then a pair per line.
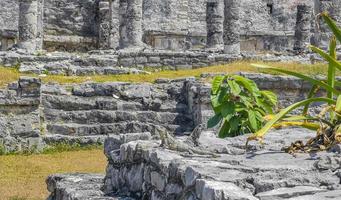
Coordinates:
x,y
223,25
120,23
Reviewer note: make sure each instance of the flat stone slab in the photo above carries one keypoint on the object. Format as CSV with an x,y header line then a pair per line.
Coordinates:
x,y
78,187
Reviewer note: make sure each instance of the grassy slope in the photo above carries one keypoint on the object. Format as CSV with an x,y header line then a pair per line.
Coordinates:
x,y
23,177
10,75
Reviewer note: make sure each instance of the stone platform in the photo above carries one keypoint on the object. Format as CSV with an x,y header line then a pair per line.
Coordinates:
x,y
143,170
105,62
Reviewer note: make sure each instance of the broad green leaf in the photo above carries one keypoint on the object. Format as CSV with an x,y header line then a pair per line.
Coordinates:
x,y
250,85
224,130
270,96
266,107
327,57
260,134
216,84
213,121
215,103
228,109
246,101
234,124
304,77
253,120
234,87
338,105
331,23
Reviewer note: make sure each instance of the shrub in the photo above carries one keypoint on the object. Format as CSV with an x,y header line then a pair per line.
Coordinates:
x,y
239,105
327,123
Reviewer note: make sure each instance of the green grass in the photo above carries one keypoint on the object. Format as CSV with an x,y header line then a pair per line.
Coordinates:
x,y
22,177
8,75
54,148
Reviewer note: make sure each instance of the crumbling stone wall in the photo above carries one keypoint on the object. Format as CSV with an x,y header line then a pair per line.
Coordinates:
x,y
20,116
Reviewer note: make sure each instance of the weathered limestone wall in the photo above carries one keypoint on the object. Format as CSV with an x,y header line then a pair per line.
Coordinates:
x,y
81,25
9,14
86,113
72,22
115,108
20,116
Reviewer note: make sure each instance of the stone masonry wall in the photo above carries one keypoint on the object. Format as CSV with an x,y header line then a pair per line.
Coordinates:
x,y
74,25
86,113
20,116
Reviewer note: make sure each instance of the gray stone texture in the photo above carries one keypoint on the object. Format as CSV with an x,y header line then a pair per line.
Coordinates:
x,y
20,116
77,25
86,113
28,25
303,28
215,24
144,170
131,23
232,27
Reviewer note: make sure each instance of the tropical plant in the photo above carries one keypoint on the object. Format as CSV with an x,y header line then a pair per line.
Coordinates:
x,y
327,123
239,105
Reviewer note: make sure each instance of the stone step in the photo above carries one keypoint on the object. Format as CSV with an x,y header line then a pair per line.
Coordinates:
x,y
78,187
72,129
103,116
69,103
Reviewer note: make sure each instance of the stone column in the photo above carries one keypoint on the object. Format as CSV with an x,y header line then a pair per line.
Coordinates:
x,y
40,28
215,24
104,24
28,25
232,27
131,34
115,24
303,28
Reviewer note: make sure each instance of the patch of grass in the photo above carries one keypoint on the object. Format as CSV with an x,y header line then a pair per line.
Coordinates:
x,y
244,66
65,147
9,75
23,177
54,148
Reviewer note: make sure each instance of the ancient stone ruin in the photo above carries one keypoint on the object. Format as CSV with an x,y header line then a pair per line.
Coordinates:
x,y
86,37
150,33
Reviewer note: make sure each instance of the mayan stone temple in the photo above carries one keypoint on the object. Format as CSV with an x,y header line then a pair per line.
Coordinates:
x,y
157,138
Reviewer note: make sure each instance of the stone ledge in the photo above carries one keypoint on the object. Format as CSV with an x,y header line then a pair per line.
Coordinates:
x,y
145,170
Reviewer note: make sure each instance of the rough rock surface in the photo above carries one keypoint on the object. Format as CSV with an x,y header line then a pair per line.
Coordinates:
x,y
78,187
143,170
86,113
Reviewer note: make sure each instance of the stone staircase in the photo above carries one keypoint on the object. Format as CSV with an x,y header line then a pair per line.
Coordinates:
x,y
104,109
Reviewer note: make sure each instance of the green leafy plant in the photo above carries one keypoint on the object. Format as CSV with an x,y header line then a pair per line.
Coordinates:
x,y
239,105
327,123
